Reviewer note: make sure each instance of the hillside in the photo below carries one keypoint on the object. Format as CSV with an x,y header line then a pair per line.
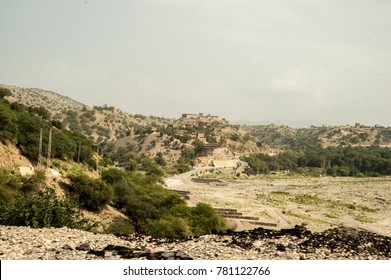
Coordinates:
x,y
99,123
177,145
283,137
122,136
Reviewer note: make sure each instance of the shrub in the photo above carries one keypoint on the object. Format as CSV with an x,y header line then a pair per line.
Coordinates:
x,y
169,226
9,185
5,92
43,209
92,194
34,183
120,227
8,126
156,211
112,175
343,171
204,219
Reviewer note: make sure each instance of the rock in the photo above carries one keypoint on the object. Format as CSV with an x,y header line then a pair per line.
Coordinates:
x,y
257,244
69,246
116,248
99,253
168,255
148,250
182,256
84,247
281,247
158,250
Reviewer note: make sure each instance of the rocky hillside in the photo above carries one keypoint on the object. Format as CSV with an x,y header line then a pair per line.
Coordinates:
x,y
283,137
122,136
192,139
100,123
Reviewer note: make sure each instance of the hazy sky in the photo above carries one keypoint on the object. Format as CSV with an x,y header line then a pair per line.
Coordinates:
x,y
327,61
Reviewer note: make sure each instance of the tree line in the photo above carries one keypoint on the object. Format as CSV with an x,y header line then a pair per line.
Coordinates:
x,y
334,161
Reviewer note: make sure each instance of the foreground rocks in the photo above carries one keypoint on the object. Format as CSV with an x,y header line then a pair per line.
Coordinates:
x,y
286,244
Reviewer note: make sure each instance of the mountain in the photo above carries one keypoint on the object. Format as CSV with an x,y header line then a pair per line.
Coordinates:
x,y
290,123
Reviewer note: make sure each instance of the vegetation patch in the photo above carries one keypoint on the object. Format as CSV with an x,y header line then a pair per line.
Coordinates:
x,y
306,217
362,218
331,215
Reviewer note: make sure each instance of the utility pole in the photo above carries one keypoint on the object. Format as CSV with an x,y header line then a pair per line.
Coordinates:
x,y
49,147
40,148
79,152
97,158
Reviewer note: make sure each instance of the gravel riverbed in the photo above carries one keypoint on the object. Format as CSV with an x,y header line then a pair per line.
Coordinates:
x,y
289,244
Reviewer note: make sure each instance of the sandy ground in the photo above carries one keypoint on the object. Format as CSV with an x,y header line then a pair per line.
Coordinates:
x,y
318,203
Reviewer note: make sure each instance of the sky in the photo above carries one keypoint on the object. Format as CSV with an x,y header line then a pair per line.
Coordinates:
x,y
328,62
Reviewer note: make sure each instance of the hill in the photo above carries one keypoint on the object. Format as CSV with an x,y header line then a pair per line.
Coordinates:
x,y
122,136
284,137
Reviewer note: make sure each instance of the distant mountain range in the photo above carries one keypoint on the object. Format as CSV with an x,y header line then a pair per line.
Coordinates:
x,y
290,123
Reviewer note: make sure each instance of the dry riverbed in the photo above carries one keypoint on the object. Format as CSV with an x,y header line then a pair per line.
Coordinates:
x,y
318,203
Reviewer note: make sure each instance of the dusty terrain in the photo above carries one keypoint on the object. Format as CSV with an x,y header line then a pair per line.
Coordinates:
x,y
318,203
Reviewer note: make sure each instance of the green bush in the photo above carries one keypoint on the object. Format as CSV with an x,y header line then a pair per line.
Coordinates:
x,y
8,123
9,185
92,194
156,211
112,175
169,226
204,219
343,171
5,92
33,183
43,209
120,227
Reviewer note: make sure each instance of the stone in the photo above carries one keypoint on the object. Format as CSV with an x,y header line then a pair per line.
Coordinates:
x,y
84,247
158,250
281,247
69,246
168,255
99,253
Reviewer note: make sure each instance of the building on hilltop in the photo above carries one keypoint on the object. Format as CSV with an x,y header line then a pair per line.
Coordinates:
x,y
201,117
190,116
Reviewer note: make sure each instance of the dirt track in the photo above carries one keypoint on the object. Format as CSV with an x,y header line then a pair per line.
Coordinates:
x,y
318,203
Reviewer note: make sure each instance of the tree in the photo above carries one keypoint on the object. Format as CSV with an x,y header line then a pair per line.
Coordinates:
x,y
92,194
41,112
5,92
185,138
159,159
204,219
29,131
199,147
8,123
